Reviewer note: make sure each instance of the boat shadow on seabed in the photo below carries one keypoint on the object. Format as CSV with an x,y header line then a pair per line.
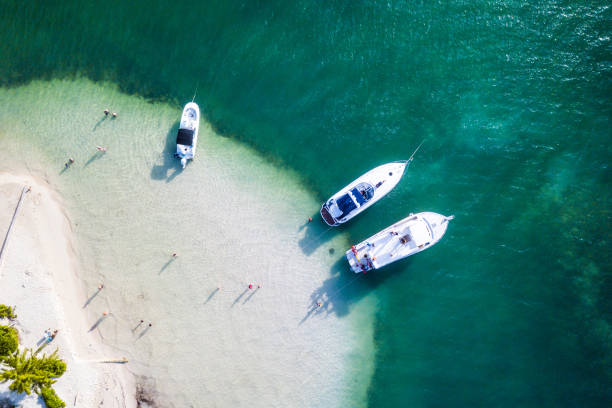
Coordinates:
x,y
344,288
164,171
317,233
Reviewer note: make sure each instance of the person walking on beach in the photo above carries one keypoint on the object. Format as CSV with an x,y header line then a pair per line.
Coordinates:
x,y
138,325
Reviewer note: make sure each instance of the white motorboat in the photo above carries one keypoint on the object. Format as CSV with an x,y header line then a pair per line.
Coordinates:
x,y
363,192
187,136
413,234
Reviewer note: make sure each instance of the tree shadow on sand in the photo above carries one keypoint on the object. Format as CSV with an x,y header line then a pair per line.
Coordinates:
x,y
170,166
10,398
345,288
317,233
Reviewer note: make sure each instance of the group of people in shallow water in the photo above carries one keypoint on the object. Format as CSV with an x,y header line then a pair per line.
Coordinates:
x,y
99,148
106,112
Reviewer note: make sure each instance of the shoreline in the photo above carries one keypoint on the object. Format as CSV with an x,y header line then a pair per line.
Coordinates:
x,y
242,222
39,275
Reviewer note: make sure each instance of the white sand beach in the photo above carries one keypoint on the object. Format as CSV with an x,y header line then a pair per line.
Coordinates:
x,y
38,275
233,218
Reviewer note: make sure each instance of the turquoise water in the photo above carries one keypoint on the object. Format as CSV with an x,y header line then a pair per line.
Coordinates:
x,y
513,100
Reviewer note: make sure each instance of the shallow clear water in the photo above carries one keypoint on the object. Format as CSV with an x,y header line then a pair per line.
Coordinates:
x,y
513,99
232,218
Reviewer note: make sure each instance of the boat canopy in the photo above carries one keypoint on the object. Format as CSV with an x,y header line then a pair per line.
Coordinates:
x,y
184,137
346,205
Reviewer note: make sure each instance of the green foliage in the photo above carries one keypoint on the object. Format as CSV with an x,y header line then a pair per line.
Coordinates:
x,y
8,312
28,372
53,365
22,371
51,398
8,341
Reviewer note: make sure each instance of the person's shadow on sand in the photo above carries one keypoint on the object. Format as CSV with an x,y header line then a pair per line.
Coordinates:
x,y
97,323
145,331
166,265
240,297
96,293
251,295
170,166
339,292
99,123
212,294
97,155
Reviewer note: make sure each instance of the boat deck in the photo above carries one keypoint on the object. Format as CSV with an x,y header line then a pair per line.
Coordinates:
x,y
386,247
329,220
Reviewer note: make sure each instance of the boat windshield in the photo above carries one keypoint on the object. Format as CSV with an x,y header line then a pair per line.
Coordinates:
x,y
191,113
184,137
363,193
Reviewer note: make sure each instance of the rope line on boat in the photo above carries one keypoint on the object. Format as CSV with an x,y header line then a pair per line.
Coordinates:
x,y
319,236
416,150
351,281
196,91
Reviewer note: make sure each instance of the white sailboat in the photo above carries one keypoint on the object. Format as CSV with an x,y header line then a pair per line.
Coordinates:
x,y
187,137
413,234
363,192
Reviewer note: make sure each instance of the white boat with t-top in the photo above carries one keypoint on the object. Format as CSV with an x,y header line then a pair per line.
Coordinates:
x,y
413,234
187,137
363,192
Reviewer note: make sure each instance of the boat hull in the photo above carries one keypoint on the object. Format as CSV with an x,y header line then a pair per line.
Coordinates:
x,y
382,179
187,137
411,235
